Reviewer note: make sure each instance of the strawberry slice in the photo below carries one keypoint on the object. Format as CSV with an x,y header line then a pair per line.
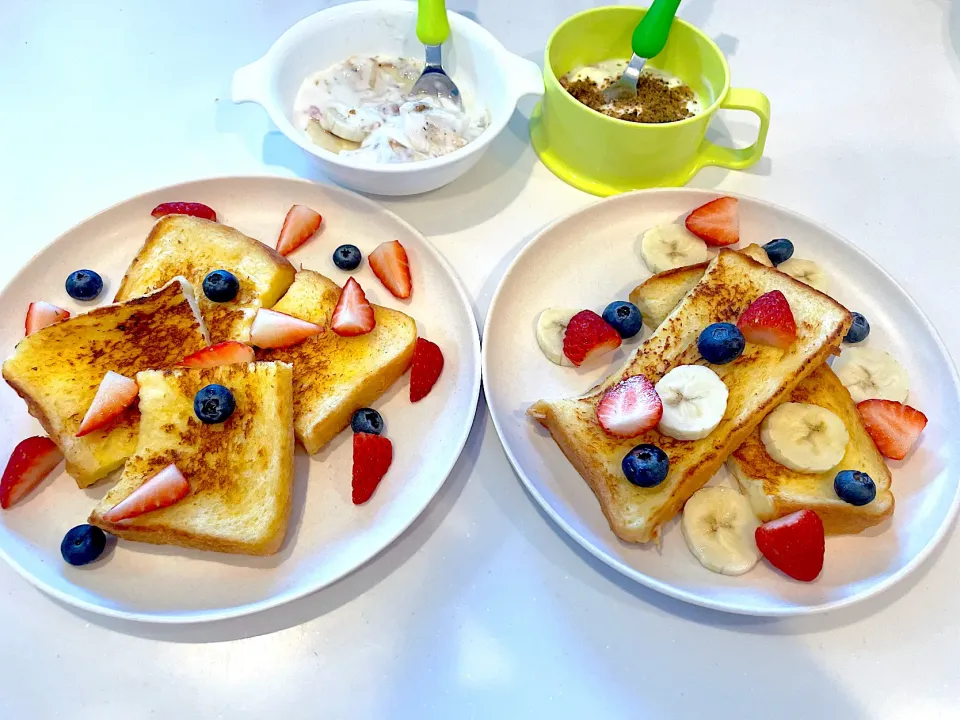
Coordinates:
x,y
115,394
630,408
185,208
353,315
390,264
769,321
272,329
794,544
716,223
40,314
893,426
225,353
30,462
372,455
298,226
426,369
167,487
588,335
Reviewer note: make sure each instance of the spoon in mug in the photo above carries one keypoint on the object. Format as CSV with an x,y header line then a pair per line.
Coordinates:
x,y
433,29
648,40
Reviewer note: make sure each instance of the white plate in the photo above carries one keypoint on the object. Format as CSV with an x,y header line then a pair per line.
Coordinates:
x,y
591,258
328,536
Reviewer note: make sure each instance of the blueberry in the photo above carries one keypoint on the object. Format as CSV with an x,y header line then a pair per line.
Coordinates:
x,y
720,343
367,420
83,544
858,330
347,257
646,465
221,286
214,404
84,284
624,317
779,250
854,487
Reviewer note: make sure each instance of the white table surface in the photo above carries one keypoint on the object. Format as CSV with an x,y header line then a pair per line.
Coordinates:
x,y
484,608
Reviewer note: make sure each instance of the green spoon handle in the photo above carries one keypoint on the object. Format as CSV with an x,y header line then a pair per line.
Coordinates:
x,y
651,34
432,25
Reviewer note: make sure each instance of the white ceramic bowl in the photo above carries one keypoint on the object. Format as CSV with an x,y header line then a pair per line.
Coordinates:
x,y
477,62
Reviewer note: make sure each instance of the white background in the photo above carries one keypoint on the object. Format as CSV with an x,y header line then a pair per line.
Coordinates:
x,y
483,608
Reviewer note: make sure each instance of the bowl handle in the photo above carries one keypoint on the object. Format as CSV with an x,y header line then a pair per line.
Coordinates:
x,y
249,83
737,159
526,77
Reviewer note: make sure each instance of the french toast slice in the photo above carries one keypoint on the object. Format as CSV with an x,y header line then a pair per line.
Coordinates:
x,y
335,376
58,369
240,471
194,247
757,382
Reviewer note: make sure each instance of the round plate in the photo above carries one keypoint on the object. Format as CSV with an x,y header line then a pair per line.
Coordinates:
x,y
591,258
328,536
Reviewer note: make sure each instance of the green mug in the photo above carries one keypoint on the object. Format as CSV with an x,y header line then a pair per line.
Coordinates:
x,y
605,156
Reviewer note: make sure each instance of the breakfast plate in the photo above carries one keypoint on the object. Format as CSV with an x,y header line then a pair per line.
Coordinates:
x,y
328,536
591,258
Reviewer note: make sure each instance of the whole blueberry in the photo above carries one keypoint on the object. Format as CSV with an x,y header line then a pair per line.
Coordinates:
x,y
624,317
84,284
854,487
646,465
347,257
721,343
221,286
859,329
83,544
213,404
367,420
779,250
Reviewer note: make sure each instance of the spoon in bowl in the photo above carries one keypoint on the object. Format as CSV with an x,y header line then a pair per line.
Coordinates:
x,y
433,29
648,40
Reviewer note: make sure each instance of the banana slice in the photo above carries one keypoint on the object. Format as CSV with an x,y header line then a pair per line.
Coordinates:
x,y
353,124
694,400
806,271
871,374
551,326
669,246
719,525
806,438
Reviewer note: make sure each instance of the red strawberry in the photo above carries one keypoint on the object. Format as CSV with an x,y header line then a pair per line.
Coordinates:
x,y
588,335
272,329
793,544
390,264
225,353
893,426
298,226
40,314
30,462
717,222
115,394
426,368
769,321
185,208
167,487
372,455
353,315
630,407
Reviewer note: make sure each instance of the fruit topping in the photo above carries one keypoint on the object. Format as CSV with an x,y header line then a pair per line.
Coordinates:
x,y
162,490
794,544
893,426
694,402
83,544
717,222
390,264
298,226
30,462
185,208
425,370
353,315
84,284
367,420
859,329
721,343
803,437
645,466
779,250
225,353
629,408
221,286
115,394
872,374
854,487
624,317
551,327
669,246
587,336
273,329
720,528
213,404
769,321
40,314
347,257
807,272
372,455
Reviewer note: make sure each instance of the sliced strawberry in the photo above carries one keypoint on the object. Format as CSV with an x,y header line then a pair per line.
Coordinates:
x,y
717,222
794,544
298,226
40,314
426,369
588,335
390,264
372,455
630,408
185,208
30,462
769,321
272,329
115,394
893,426
353,315
167,487
225,353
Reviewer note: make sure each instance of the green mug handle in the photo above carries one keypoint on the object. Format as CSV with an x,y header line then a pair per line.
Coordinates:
x,y
432,25
735,158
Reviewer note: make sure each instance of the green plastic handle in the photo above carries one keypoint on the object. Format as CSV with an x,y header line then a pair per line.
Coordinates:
x,y
432,25
652,32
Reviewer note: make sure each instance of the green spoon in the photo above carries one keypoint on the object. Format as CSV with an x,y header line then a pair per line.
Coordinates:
x,y
433,29
647,42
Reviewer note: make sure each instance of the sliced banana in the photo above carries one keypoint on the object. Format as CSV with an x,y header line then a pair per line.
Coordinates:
x,y
871,374
694,400
806,271
719,526
669,246
551,325
803,437
353,124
